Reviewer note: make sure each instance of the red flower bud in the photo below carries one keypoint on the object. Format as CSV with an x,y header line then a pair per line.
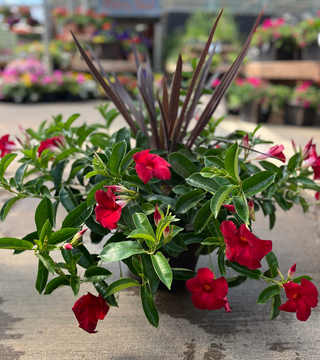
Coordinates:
x,y
292,271
117,188
166,232
231,208
67,246
157,216
6,146
294,146
251,210
245,140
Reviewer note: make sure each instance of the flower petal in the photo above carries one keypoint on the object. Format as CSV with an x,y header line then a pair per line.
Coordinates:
x,y
213,303
193,286
243,231
141,156
289,306
107,199
205,276
310,293
219,288
263,248
143,172
199,300
303,310
292,289
245,258
162,173
229,231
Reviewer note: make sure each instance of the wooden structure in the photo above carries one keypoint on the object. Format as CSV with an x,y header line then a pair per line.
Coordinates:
x,y
117,66
284,70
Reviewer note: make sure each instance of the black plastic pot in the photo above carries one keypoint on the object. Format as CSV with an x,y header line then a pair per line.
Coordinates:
x,y
287,51
299,116
50,97
311,52
71,97
110,51
248,112
263,113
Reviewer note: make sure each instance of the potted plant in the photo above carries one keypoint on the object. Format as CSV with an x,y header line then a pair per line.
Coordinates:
x,y
142,46
146,197
307,38
276,40
106,40
302,107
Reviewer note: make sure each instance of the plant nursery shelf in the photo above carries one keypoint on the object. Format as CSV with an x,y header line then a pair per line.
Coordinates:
x,y
117,66
284,70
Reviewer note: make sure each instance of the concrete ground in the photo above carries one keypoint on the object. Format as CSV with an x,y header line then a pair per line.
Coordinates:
x,y
34,327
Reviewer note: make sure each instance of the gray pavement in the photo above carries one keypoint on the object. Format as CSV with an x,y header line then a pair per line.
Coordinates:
x,y
34,327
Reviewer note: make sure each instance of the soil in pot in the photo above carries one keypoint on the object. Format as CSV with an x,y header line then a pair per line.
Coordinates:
x,y
299,116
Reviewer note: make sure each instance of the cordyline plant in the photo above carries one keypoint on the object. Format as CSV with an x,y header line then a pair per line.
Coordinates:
x,y
173,192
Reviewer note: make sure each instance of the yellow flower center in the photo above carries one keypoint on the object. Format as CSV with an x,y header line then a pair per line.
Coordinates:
x,y
243,239
206,287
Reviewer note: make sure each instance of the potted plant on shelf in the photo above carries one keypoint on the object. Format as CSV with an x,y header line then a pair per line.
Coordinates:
x,y
276,40
302,107
145,198
106,40
307,39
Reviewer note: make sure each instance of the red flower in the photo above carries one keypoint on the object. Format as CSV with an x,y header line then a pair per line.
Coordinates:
x,y
51,144
208,292
292,270
245,140
151,165
215,82
108,212
157,216
231,208
88,310
317,195
242,246
301,298
6,146
276,150
312,160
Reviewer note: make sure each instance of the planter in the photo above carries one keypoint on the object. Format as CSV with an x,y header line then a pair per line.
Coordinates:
x,y
71,97
311,52
299,116
130,56
50,97
263,113
287,51
248,112
89,29
70,26
110,51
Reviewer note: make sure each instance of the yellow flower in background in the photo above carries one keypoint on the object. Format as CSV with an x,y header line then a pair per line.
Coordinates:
x,y
26,79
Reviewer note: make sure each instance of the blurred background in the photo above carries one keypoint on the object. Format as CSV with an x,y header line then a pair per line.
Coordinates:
x,y
277,84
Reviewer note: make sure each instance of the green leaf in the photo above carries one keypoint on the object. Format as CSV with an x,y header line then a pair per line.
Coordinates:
x,y
202,218
62,235
140,234
47,261
67,199
90,198
96,274
102,287
7,206
189,200
298,279
221,263
209,184
213,161
212,241
271,167
241,206
219,198
120,285
182,165
20,174
257,183
305,182
267,293
236,281
5,162
117,155
57,282
121,250
46,232
127,160
275,304
71,119
17,244
75,284
77,216
294,161
281,201
85,260
42,277
192,238
43,213
133,180
149,273
243,270
231,161
162,268
149,307
57,172
64,154
183,274
141,222
148,209
273,264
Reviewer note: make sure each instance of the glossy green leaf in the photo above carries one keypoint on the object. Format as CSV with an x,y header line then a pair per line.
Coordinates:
x,y
149,272
183,274
267,293
273,264
67,199
43,213
47,261
298,279
219,198
75,284
122,250
102,287
57,282
162,268
141,222
231,161
192,238
96,274
140,234
5,162
20,174
275,304
257,183
7,206
149,307
70,121
209,184
148,209
189,200
127,160
236,281
77,216
46,232
212,241
85,259
294,161
12,243
42,277
182,165
117,155
213,161
62,235
281,201
202,218
243,270
241,206
221,263
271,167
64,154
120,285
305,182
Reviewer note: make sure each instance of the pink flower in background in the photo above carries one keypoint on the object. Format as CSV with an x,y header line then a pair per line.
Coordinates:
x,y
304,86
267,23
6,146
52,144
312,160
245,140
276,150
215,82
80,78
240,81
255,82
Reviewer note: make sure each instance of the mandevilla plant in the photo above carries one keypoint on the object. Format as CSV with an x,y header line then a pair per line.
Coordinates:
x,y
172,192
